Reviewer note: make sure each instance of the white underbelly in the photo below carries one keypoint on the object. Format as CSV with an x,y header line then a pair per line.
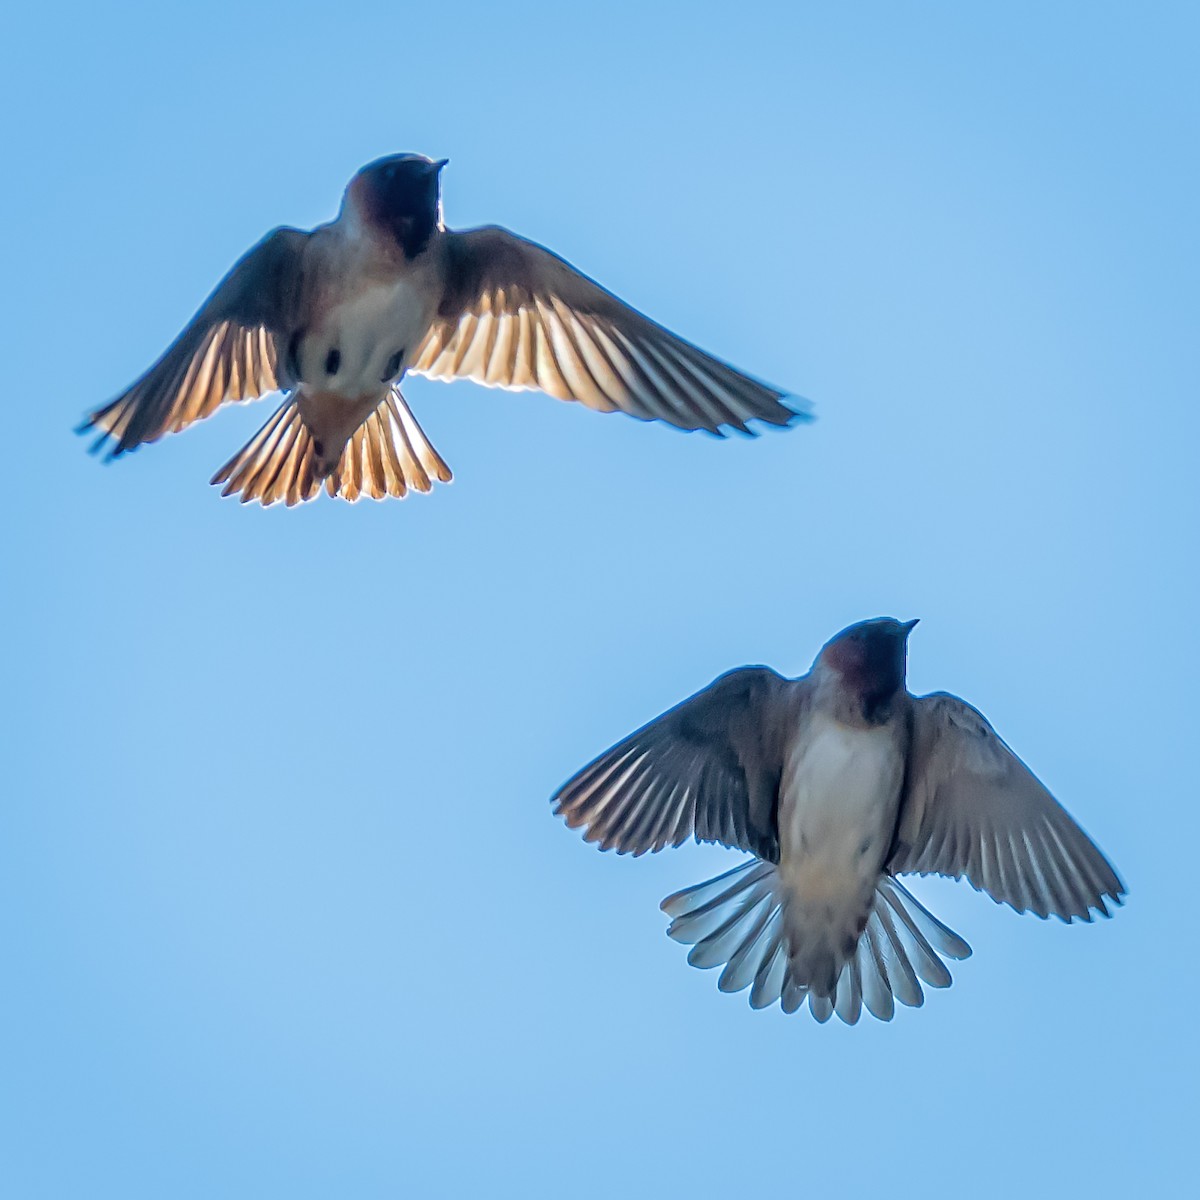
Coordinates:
x,y
353,351
837,812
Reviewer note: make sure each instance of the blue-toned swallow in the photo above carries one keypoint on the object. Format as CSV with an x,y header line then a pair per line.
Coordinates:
x,y
836,782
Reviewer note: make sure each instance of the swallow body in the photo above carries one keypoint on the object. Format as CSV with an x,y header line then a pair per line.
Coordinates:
x,y
837,783
831,854
363,331
337,316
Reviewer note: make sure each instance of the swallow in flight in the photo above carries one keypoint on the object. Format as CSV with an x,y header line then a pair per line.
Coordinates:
x,y
335,318
836,783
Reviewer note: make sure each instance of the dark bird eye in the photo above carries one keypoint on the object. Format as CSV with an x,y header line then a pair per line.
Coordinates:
x,y
333,360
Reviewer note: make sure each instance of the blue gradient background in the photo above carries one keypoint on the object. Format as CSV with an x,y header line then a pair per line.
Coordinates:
x,y
283,911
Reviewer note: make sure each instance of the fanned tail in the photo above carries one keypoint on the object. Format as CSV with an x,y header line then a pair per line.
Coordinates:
x,y
737,921
387,455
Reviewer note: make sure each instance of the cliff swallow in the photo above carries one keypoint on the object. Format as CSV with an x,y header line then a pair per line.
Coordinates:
x,y
337,316
836,782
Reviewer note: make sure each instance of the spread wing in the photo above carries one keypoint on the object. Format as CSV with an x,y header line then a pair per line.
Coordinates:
x,y
228,352
973,808
709,768
514,315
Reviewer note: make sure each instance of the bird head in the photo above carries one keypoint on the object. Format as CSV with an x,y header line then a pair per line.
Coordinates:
x,y
869,657
400,194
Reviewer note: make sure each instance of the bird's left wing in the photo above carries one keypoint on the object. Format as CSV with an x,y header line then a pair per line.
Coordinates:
x,y
973,808
227,352
708,768
515,315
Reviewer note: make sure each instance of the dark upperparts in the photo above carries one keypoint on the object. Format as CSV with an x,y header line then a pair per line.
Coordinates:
x,y
870,658
400,194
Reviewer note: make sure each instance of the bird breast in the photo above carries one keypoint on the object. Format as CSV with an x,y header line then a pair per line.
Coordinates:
x,y
837,809
366,337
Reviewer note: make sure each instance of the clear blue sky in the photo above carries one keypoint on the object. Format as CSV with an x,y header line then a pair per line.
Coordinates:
x,y
283,911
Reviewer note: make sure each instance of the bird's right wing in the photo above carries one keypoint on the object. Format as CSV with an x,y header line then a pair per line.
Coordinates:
x,y
228,352
973,808
709,768
515,315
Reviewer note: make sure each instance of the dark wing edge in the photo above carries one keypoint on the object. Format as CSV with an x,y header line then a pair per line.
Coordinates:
x,y
228,352
709,768
973,809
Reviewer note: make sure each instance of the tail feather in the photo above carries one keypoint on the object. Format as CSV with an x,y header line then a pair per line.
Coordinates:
x,y
771,976
921,954
876,987
849,1000
276,464
737,921
743,923
748,959
387,455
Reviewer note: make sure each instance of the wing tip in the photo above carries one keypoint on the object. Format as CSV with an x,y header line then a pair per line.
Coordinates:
x,y
797,411
105,446
790,412
1108,902
801,410
110,444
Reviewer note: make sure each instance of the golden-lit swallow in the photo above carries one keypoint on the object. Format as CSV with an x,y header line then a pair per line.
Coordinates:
x,y
837,782
336,317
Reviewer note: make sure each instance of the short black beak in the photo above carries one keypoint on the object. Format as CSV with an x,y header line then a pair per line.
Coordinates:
x,y
437,166
909,626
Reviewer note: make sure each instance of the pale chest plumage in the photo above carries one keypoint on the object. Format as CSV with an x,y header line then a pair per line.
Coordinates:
x,y
837,809
368,324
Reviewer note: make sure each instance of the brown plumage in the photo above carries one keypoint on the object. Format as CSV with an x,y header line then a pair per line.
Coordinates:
x,y
337,316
